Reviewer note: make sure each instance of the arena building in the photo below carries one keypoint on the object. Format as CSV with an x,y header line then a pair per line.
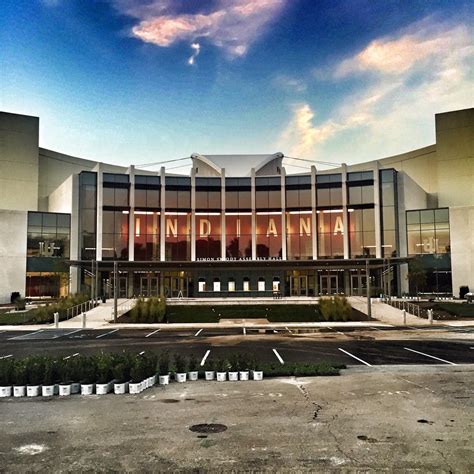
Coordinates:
x,y
236,225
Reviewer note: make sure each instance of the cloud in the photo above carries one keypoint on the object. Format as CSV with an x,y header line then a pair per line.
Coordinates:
x,y
231,25
290,83
407,79
197,48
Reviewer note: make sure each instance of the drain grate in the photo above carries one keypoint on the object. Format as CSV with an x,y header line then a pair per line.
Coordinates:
x,y
208,428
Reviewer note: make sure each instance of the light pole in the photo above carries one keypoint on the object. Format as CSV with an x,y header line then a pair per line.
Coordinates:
x,y
115,290
367,285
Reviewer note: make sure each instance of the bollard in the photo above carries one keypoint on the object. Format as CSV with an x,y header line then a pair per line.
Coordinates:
x,y
404,318
84,320
430,316
56,320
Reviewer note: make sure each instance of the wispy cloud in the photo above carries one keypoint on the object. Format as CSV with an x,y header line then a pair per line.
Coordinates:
x,y
290,83
232,25
197,48
407,78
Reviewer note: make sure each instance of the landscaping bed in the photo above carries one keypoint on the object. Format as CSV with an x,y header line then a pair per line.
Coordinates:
x,y
446,310
126,372
335,309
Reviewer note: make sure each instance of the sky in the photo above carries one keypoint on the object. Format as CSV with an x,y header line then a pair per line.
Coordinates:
x,y
144,81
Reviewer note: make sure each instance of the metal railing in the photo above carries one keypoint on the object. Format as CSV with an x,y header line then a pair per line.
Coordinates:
x,y
409,307
124,307
74,311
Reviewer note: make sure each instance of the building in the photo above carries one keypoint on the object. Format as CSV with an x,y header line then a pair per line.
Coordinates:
x,y
237,225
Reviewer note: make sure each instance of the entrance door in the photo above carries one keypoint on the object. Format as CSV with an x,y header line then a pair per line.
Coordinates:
x,y
358,285
175,286
123,287
299,285
144,290
154,286
328,284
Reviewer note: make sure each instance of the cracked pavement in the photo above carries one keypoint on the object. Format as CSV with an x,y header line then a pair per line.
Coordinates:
x,y
395,418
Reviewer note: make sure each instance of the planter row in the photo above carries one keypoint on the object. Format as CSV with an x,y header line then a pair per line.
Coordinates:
x,y
66,389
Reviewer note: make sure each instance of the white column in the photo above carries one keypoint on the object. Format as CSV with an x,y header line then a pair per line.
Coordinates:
x,y
377,211
314,229
345,219
131,216
223,229
162,215
254,216
100,201
193,214
283,213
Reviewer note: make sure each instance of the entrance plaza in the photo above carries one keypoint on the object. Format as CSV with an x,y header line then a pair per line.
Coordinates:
x,y
237,226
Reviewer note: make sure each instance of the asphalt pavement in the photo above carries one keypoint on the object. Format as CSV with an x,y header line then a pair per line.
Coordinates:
x,y
350,346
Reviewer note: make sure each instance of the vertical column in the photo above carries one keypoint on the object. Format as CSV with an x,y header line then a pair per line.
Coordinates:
x,y
131,216
193,214
345,219
223,229
283,213
162,215
254,216
377,211
75,244
314,232
100,201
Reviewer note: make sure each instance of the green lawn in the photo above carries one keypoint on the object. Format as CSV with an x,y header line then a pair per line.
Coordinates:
x,y
274,313
463,310
16,318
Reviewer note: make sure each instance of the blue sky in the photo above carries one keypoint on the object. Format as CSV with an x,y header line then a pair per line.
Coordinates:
x,y
130,81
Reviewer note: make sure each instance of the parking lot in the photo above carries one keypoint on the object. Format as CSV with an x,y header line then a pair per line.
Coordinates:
x,y
395,419
350,346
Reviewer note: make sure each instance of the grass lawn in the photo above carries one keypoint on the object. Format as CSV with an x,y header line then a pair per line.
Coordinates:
x,y
274,313
462,310
16,318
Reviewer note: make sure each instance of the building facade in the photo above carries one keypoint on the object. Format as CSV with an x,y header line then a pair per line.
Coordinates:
x,y
236,225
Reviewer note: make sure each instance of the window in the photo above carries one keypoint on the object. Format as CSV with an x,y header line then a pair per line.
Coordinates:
x,y
330,233
246,284
299,243
276,284
201,285
362,233
261,284
208,235
48,235
217,284
147,235
268,193
268,235
428,231
87,214
231,285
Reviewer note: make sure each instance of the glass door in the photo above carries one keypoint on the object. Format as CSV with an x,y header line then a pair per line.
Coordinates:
x,y
123,287
144,290
328,284
299,285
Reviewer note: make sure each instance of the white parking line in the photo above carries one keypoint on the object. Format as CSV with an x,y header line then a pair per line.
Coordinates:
x,y
1,332
354,357
245,332
288,329
106,334
154,332
25,335
6,357
278,356
205,357
67,334
427,355
73,355
339,332
199,332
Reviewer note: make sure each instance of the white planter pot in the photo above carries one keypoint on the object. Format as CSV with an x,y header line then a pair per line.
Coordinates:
x,y
180,377
164,379
5,391
134,388
244,375
153,380
19,391
102,388
47,390
221,376
32,390
56,389
209,375
87,388
75,388
233,376
120,388
257,375
193,375
143,385
64,390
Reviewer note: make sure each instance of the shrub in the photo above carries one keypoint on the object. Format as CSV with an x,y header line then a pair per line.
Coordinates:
x,y
104,368
19,373
20,304
48,376
35,369
335,308
6,372
221,365
137,372
120,372
193,363
88,370
164,363
179,364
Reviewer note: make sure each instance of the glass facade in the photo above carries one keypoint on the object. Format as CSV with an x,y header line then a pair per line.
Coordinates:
x,y
389,212
299,242
87,214
428,231
147,235
238,235
177,236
